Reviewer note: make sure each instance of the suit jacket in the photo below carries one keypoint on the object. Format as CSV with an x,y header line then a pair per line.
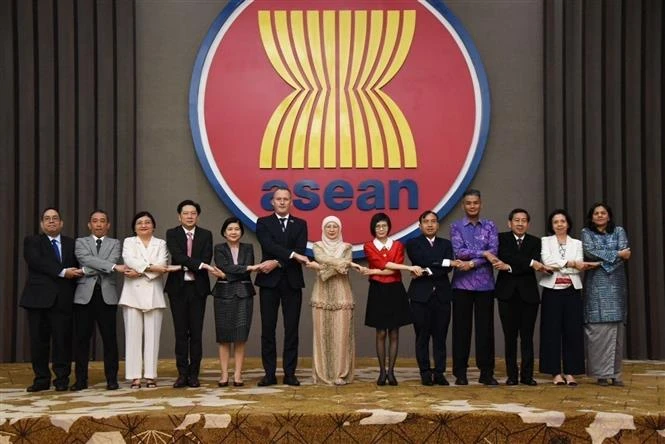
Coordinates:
x,y
176,242
279,245
97,265
44,288
423,254
550,256
147,291
238,282
522,279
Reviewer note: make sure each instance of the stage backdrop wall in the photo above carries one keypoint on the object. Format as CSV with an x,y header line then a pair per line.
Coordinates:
x,y
97,115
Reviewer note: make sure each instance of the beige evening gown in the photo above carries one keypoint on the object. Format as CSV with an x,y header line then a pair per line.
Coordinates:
x,y
333,358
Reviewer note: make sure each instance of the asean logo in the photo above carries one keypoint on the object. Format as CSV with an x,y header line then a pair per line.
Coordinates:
x,y
357,106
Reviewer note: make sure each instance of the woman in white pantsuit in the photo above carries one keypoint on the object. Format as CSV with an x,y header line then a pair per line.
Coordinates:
x,y
142,299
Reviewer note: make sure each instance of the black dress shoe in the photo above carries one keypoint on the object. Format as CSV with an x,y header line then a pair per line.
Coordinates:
x,y
61,388
511,381
488,380
529,381
112,385
266,381
193,381
440,379
291,380
180,382
461,380
37,388
426,378
222,383
78,386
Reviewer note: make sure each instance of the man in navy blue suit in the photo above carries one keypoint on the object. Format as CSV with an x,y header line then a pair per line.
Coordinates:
x,y
48,298
430,297
283,240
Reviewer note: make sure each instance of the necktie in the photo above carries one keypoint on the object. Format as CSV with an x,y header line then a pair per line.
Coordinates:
x,y
99,245
282,221
56,249
431,242
519,243
190,241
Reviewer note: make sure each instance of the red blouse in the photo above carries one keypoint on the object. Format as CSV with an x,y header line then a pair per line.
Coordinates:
x,y
379,259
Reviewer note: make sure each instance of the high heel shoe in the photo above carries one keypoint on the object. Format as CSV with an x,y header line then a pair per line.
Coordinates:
x,y
382,379
391,379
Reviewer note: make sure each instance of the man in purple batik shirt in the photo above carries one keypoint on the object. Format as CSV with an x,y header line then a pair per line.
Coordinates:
x,y
473,240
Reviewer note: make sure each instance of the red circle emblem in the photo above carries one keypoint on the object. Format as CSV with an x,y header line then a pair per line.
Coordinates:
x,y
356,106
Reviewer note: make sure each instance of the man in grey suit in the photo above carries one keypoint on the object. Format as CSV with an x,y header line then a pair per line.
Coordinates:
x,y
96,299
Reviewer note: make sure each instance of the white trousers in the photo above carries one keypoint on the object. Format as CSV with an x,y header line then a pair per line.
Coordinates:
x,y
142,330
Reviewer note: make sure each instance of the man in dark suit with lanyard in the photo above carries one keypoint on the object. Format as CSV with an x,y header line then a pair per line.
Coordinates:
x,y
517,292
283,240
48,298
190,247
430,296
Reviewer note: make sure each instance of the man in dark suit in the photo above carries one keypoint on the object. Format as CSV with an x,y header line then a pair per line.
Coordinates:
x,y
190,247
283,240
517,292
430,296
48,297
96,299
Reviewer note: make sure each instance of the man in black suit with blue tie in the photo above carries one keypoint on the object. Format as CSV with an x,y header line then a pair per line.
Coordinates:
x,y
430,296
283,240
517,291
48,298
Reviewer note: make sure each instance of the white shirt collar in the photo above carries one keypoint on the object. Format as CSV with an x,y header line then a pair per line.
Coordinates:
x,y
519,237
100,238
379,245
281,217
189,231
57,238
430,239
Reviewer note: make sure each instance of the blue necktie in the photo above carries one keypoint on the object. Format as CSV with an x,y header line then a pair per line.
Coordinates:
x,y
56,249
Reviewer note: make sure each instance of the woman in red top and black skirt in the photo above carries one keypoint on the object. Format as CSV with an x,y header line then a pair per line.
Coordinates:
x,y
387,303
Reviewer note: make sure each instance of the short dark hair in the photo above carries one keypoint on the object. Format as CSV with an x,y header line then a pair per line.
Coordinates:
x,y
189,202
281,188
231,220
426,213
519,210
471,192
379,217
141,214
589,217
99,210
562,212
50,208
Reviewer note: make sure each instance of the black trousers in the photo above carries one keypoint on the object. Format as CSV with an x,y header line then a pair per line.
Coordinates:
x,y
291,301
430,321
518,320
188,310
562,332
85,317
470,307
50,325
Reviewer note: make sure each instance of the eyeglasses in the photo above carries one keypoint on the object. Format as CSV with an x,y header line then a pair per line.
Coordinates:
x,y
51,218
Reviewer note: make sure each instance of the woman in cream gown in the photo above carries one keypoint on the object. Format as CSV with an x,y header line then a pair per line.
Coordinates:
x,y
332,303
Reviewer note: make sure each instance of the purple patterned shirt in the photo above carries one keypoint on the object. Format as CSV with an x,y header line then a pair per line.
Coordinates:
x,y
469,242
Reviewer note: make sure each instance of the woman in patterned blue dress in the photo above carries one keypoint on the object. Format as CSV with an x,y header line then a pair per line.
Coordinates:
x,y
605,294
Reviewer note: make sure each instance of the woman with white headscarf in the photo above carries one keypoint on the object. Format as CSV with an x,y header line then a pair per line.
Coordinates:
x,y
332,303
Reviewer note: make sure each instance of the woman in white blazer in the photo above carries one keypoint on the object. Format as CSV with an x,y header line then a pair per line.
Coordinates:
x,y
561,315
142,299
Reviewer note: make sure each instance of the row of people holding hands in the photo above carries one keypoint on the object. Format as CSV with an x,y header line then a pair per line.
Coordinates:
x,y
72,283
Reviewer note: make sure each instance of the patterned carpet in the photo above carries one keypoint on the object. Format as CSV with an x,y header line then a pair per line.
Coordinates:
x,y
360,412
